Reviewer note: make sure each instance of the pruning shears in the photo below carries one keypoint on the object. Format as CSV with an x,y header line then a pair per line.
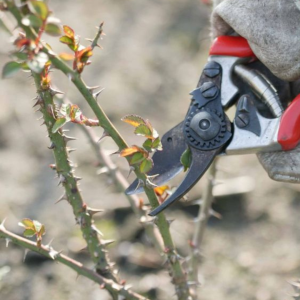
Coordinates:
x,y
206,129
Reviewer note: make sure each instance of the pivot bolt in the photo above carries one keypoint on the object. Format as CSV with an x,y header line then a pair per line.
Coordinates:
x,y
209,90
242,120
212,69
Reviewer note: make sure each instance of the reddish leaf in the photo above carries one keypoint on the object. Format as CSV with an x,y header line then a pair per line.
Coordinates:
x,y
84,54
69,32
160,190
66,56
131,150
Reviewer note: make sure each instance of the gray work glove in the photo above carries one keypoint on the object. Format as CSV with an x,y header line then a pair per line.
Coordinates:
x,y
272,28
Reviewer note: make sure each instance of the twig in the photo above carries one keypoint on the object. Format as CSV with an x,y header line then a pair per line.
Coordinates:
x,y
179,278
78,267
200,226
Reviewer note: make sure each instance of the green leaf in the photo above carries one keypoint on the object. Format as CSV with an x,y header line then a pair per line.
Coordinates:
x,y
148,144
39,8
186,159
53,29
32,20
157,144
60,122
66,40
27,223
146,165
29,232
143,130
133,120
37,225
37,64
20,55
10,69
137,158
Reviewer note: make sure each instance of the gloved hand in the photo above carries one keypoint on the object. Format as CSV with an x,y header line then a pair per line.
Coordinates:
x,y
273,32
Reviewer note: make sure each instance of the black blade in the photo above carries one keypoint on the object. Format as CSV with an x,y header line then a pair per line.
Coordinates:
x,y
201,160
167,162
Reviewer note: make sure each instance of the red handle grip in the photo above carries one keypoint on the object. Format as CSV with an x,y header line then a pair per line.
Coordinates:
x,y
231,46
289,130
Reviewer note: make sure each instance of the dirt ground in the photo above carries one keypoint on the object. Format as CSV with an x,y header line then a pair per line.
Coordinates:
x,y
153,55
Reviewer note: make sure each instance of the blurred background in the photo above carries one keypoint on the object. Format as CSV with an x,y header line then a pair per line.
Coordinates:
x,y
152,56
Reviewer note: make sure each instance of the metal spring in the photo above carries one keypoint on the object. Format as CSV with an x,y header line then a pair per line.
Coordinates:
x,y
262,88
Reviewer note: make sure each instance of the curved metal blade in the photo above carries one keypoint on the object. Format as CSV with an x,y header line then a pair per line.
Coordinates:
x,y
201,160
166,162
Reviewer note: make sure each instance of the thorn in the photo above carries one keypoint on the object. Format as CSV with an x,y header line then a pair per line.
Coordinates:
x,y
83,249
54,92
68,138
170,221
25,254
131,169
7,241
77,276
53,254
63,197
38,102
97,230
77,178
140,183
43,123
93,211
193,283
70,150
102,286
95,95
107,242
2,224
49,244
62,179
103,170
92,88
50,110
38,109
117,152
105,134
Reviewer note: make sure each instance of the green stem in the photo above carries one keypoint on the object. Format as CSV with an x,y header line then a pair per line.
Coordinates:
x,y
108,284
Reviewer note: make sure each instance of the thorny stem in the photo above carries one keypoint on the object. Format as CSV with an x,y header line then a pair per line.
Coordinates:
x,y
122,183
200,226
179,277
64,170
47,251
